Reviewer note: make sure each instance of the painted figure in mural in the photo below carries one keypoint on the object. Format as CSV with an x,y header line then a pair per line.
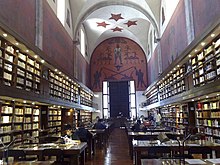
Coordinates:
x,y
140,76
117,54
97,77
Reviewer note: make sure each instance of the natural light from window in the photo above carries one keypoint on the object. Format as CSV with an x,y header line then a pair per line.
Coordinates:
x,y
61,10
82,42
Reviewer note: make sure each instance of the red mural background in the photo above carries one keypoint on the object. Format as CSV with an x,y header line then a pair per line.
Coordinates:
x,y
20,17
118,59
57,44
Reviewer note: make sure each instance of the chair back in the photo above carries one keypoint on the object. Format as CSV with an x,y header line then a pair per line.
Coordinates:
x,y
159,152
16,154
200,150
53,152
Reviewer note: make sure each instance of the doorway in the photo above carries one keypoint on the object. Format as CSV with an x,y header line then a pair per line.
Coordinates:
x,y
119,96
119,99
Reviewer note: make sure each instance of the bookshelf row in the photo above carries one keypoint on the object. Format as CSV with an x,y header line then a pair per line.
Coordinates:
x,y
21,120
22,69
175,117
200,67
206,64
18,69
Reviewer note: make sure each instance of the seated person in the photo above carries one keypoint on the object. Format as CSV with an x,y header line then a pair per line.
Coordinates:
x,y
137,126
82,134
68,131
99,125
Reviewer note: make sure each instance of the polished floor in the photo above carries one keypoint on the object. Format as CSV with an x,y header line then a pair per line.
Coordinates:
x,y
116,152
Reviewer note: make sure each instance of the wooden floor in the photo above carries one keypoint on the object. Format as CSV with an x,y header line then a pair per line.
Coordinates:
x,y
116,153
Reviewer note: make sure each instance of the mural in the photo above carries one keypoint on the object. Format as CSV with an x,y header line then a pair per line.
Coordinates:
x,y
118,59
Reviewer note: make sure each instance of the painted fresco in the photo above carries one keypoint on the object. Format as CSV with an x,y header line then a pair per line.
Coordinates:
x,y
174,39
204,13
20,17
57,44
118,59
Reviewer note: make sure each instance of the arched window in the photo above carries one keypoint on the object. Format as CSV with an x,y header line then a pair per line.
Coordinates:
x,y
82,42
61,11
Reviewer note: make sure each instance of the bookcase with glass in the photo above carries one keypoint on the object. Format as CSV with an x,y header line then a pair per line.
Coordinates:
x,y
85,116
208,117
63,87
206,63
54,120
85,98
18,121
175,117
172,84
18,69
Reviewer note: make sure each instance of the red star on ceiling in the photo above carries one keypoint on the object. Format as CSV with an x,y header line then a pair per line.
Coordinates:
x,y
103,24
116,17
117,29
130,23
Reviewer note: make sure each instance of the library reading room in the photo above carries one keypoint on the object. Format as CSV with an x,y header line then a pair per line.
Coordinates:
x,y
109,82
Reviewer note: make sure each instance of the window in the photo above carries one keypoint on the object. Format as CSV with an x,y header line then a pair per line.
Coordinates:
x,y
132,99
82,42
61,11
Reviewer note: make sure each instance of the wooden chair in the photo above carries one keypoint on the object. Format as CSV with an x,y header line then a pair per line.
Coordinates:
x,y
19,155
203,151
58,153
157,152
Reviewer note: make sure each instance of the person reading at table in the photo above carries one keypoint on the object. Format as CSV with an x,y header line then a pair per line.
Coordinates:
x,y
82,134
137,126
99,125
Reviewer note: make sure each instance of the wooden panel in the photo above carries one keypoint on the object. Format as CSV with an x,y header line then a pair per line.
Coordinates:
x,y
174,39
204,13
57,44
19,16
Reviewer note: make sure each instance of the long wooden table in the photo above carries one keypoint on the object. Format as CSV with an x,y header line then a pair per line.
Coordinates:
x,y
76,153
148,136
180,162
143,146
29,163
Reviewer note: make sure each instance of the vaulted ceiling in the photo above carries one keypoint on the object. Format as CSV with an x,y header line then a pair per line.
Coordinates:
x,y
103,19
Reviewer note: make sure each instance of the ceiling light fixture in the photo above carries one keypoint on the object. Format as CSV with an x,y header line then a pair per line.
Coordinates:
x,y
203,43
212,35
4,35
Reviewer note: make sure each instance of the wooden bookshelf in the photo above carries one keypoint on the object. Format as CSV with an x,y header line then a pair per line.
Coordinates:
x,y
62,87
172,84
19,69
18,120
85,98
175,117
206,64
85,116
54,120
208,117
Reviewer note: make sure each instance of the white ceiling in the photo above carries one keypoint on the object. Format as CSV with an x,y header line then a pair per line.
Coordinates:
x,y
103,19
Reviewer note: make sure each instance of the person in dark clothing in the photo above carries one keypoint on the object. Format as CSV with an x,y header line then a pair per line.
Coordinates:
x,y
99,125
82,134
137,126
